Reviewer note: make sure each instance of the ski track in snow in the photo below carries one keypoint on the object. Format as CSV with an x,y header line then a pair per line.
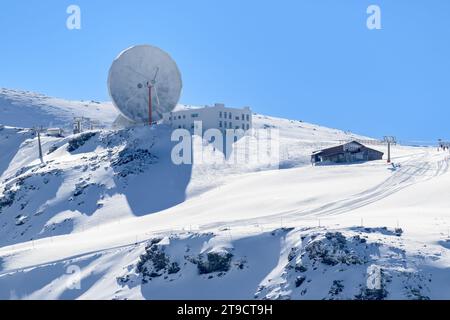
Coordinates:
x,y
417,169
113,247
413,171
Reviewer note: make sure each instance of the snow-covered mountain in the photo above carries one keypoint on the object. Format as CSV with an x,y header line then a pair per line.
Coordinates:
x,y
27,109
111,206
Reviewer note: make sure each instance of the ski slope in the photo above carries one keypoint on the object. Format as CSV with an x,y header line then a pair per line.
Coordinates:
x,y
27,109
111,206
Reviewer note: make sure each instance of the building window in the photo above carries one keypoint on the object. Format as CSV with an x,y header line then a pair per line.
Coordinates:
x,y
220,114
230,115
170,118
237,127
225,115
179,127
220,124
184,116
179,117
248,126
230,125
192,126
194,115
237,118
248,119
243,126
243,117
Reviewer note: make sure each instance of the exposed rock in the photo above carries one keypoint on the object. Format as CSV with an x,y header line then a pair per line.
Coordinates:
x,y
333,249
336,288
299,281
215,262
155,263
79,141
132,161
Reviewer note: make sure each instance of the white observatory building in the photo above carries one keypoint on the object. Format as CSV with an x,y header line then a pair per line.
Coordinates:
x,y
212,117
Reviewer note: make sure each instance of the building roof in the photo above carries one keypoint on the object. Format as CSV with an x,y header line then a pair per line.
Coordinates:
x,y
180,110
340,149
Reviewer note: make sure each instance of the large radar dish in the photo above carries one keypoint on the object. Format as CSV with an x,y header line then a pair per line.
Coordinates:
x,y
144,80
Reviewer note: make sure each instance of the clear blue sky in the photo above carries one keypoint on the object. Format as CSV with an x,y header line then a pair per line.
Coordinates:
x,y
313,60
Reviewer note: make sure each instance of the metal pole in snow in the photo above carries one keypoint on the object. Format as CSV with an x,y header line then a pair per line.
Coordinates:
x,y
389,152
41,157
389,140
149,104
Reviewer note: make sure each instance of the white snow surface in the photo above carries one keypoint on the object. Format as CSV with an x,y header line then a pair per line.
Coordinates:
x,y
27,109
109,216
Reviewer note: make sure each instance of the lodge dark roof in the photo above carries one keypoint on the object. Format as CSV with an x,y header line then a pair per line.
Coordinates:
x,y
339,149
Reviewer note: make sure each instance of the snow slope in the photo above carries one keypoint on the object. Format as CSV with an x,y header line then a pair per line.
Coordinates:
x,y
27,109
110,206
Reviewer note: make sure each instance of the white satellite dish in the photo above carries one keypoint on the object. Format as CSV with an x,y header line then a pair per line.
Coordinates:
x,y
144,82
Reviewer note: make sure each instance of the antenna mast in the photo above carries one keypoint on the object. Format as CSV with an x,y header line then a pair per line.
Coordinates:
x,y
149,104
151,85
